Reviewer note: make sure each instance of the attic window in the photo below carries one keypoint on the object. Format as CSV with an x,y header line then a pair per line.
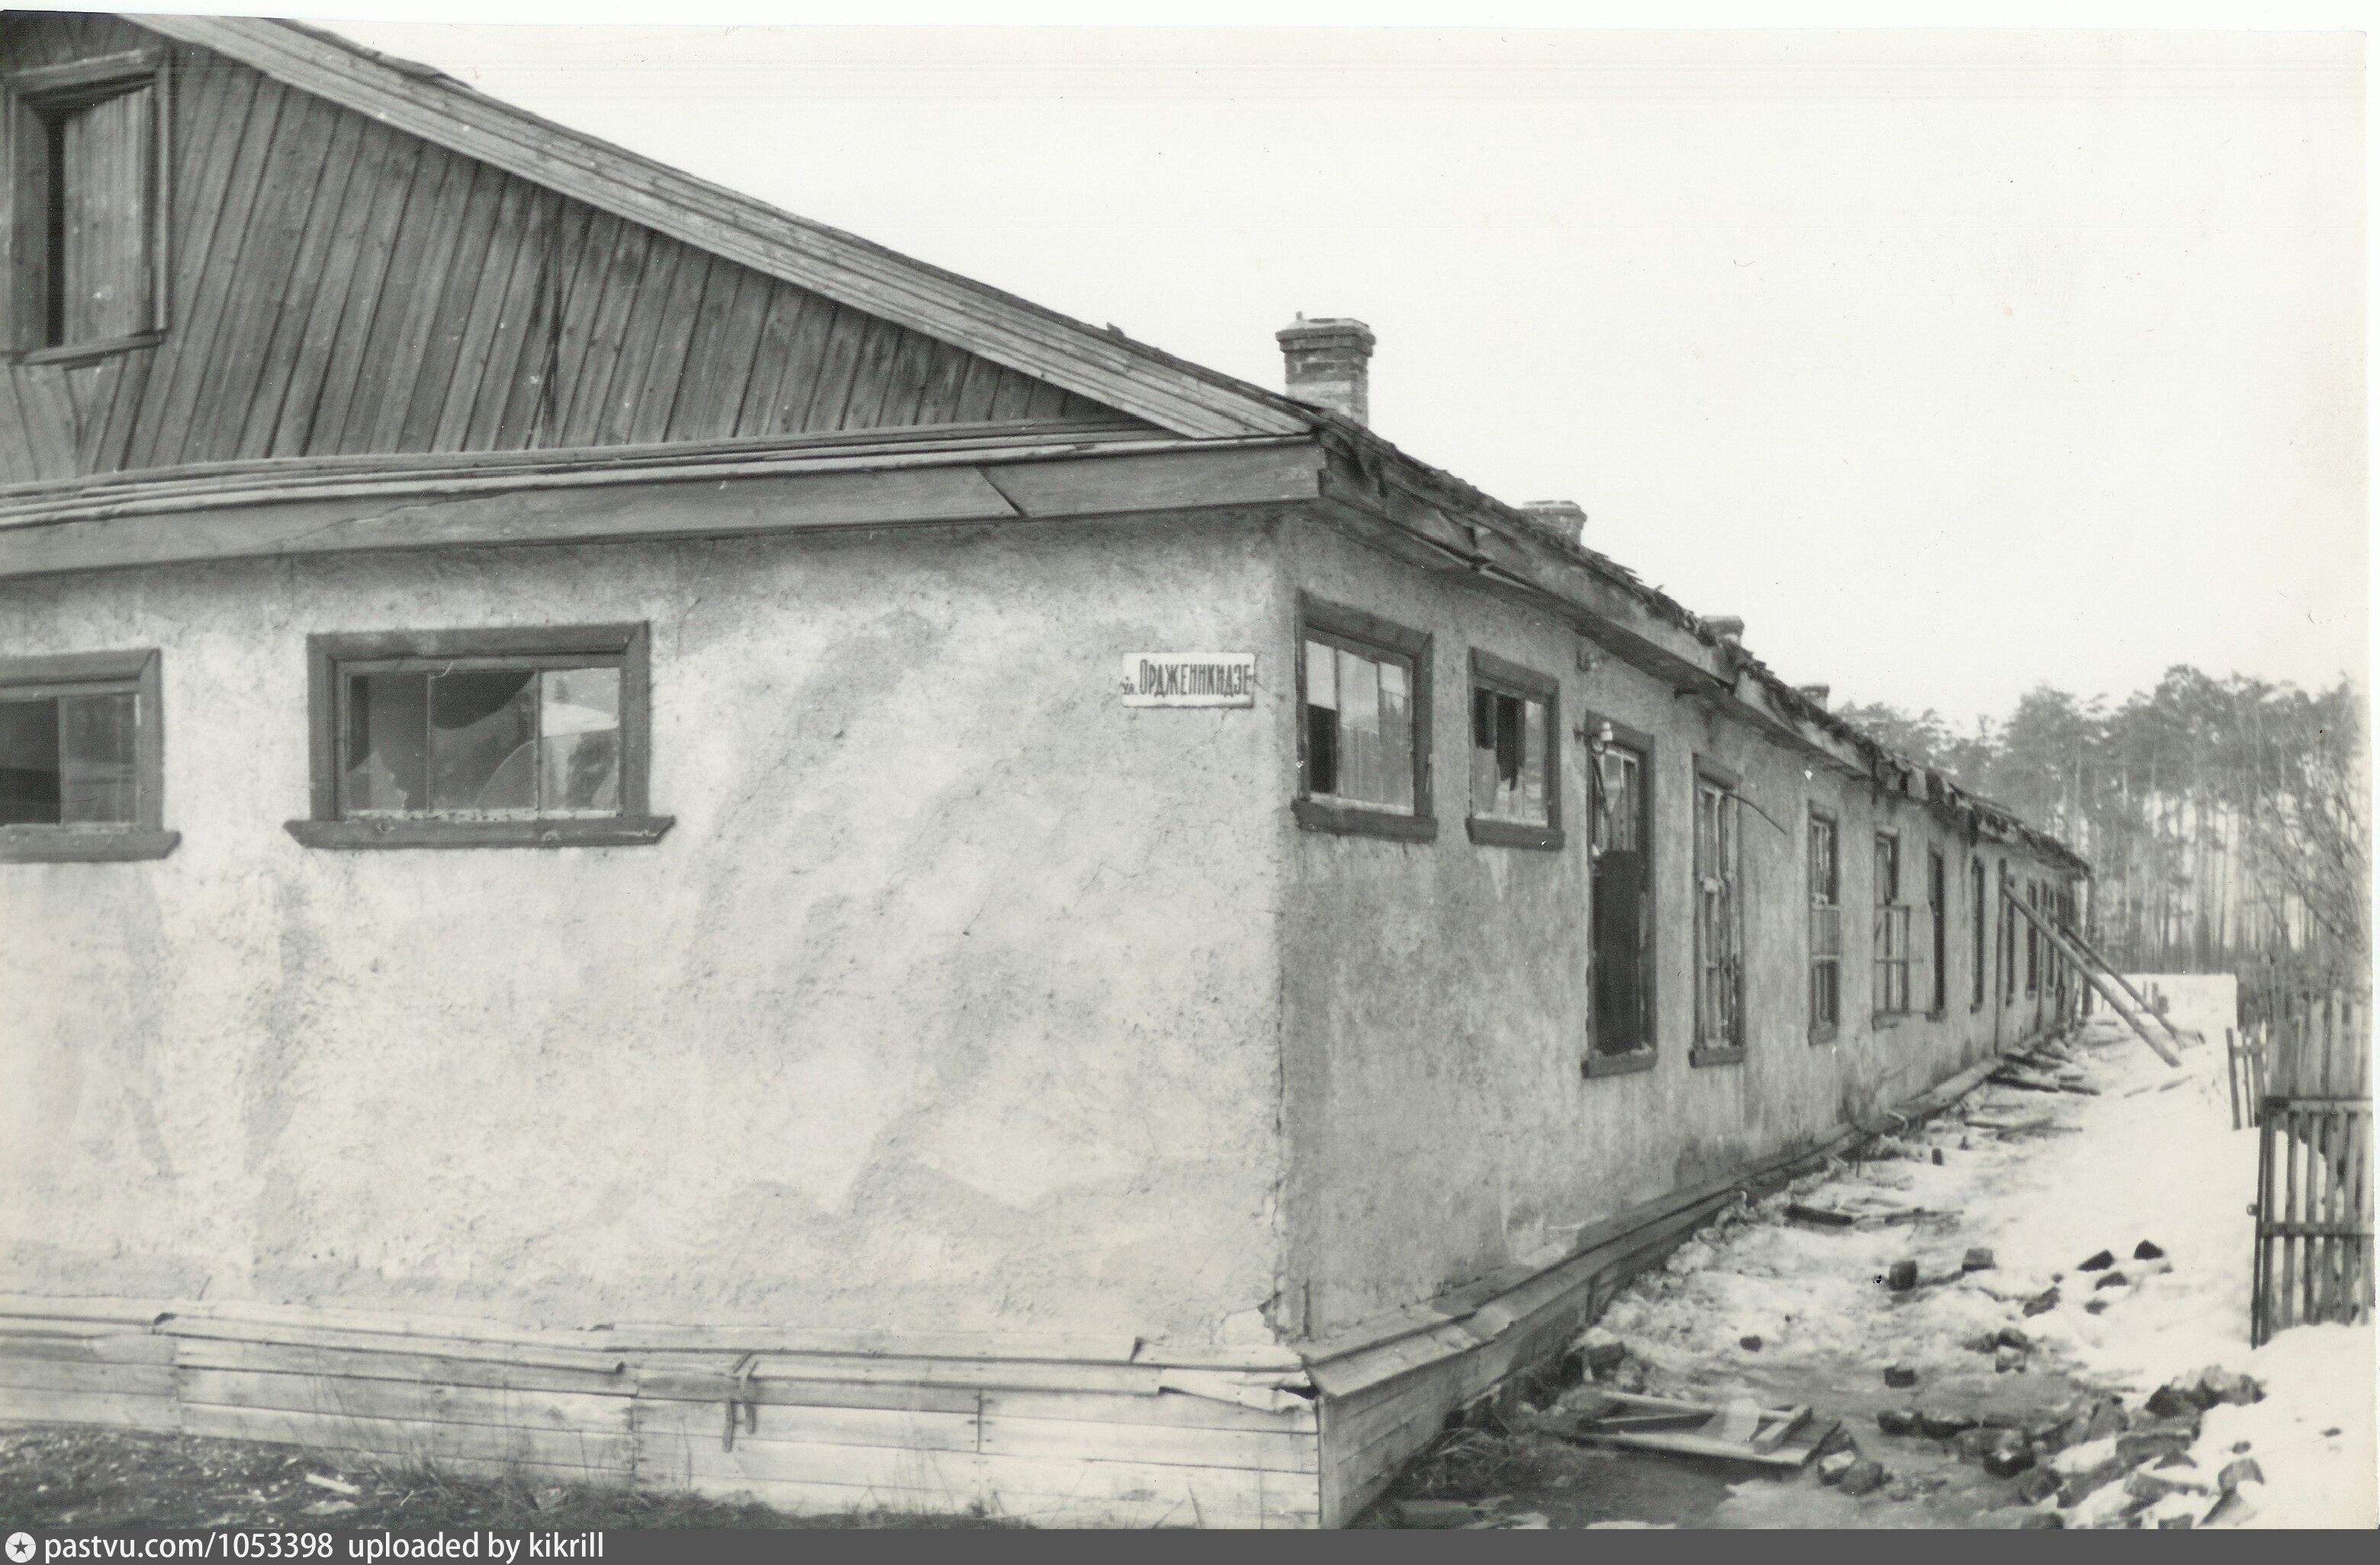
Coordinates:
x,y
86,214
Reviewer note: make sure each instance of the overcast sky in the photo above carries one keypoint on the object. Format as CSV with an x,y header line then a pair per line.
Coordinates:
x,y
1953,363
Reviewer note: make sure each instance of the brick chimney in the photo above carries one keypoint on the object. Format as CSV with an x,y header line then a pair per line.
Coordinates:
x,y
1565,516
1328,363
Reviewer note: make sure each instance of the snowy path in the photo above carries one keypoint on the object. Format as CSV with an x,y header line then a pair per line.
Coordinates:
x,y
1790,1312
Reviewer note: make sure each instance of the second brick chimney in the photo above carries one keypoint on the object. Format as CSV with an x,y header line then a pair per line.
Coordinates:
x,y
1328,363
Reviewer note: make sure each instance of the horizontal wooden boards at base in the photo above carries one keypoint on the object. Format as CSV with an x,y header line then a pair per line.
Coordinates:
x,y
592,1456
1053,1492
348,1364
84,1375
121,1409
408,1400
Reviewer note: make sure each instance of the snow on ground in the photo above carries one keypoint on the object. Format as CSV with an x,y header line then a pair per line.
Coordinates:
x,y
2045,1181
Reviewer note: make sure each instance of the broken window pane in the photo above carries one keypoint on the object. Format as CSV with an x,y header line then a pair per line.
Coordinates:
x,y
388,739
482,739
98,777
30,785
1508,757
578,738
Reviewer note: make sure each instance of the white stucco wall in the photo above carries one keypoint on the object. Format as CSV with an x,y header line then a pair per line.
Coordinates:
x,y
949,1002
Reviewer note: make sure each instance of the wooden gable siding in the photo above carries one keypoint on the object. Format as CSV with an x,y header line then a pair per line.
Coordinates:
x,y
340,288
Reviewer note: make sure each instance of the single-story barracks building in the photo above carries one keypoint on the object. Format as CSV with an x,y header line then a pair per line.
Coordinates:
x,y
643,839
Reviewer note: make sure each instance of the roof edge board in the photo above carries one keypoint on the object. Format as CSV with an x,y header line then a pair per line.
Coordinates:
x,y
1104,367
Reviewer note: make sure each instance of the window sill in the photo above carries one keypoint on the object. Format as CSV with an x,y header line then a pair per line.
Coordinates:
x,y
1884,1021
1942,1015
70,354
54,844
1347,820
1512,833
1717,1056
1822,1034
1598,1064
611,831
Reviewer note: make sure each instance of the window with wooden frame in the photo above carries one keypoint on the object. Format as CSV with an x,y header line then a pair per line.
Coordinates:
x,y
1892,944
2008,935
1979,914
82,759
1515,760
480,739
1620,897
2033,939
86,214
1937,917
1826,928
1362,730
1718,915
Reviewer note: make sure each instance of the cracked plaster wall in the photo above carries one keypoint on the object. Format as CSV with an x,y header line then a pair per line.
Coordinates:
x,y
950,1002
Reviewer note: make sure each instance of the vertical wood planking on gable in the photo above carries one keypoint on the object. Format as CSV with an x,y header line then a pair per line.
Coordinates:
x,y
337,285
589,377
720,357
477,282
667,266
869,375
476,405
671,362
528,401
331,354
837,362
462,210
258,292
786,407
191,346
345,182
214,113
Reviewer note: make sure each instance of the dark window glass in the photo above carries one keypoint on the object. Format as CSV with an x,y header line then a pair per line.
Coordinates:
x,y
1621,904
69,761
485,741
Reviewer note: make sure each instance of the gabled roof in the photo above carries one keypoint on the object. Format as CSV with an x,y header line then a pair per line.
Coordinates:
x,y
1103,366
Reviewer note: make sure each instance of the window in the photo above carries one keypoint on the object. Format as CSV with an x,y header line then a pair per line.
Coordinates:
x,y
1891,930
2033,939
1718,916
82,759
1825,929
2008,935
489,739
1620,897
1938,914
1515,793
1980,917
86,216
1363,692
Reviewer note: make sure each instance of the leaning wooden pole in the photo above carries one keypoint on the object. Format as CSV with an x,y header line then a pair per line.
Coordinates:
x,y
2107,992
2109,967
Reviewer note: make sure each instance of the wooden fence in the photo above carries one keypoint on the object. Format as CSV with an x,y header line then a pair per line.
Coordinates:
x,y
2308,1075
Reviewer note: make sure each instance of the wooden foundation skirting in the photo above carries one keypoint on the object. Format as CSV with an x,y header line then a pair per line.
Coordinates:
x,y
1075,1431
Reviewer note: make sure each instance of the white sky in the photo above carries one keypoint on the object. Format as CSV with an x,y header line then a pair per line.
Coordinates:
x,y
1954,362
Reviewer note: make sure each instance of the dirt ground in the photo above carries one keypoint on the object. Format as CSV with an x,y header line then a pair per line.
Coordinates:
x,y
58,1477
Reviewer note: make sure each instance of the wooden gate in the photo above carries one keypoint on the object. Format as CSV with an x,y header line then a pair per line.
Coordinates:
x,y
2314,1179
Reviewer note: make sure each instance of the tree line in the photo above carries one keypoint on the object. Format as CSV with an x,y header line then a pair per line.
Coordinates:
x,y
2227,821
